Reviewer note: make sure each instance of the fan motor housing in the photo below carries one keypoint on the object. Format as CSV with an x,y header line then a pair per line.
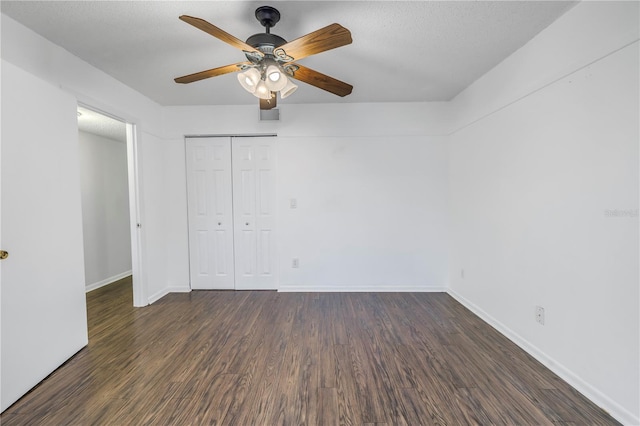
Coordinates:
x,y
266,42
263,39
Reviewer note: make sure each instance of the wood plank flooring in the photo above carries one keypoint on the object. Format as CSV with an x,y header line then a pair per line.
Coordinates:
x,y
268,358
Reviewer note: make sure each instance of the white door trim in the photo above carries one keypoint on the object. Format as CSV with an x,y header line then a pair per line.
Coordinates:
x,y
230,138
136,213
140,294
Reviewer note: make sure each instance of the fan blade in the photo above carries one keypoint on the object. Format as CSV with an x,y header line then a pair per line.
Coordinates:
x,y
327,38
217,32
210,73
322,81
269,103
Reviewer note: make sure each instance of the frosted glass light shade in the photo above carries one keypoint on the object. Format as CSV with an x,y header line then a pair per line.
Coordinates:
x,y
275,79
262,91
288,89
249,79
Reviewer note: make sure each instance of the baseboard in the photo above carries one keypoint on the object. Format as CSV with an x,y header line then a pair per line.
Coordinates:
x,y
597,397
180,289
159,295
290,288
107,281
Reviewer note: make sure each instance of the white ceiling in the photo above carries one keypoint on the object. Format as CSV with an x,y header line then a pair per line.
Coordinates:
x,y
401,51
98,124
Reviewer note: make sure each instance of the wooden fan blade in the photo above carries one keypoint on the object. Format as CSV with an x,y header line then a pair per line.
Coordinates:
x,y
269,103
217,33
322,81
210,73
327,38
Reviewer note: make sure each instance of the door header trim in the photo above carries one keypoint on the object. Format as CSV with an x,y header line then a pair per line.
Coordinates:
x,y
249,135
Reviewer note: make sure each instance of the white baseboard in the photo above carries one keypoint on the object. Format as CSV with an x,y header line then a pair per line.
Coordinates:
x,y
107,281
159,295
180,289
286,288
597,397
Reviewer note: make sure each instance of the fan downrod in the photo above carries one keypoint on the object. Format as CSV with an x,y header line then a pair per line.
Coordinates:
x,y
268,16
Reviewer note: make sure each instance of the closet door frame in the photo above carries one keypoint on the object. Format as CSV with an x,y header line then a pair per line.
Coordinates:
x,y
231,204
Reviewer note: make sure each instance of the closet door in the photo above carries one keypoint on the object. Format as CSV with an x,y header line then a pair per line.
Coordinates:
x,y
210,211
254,166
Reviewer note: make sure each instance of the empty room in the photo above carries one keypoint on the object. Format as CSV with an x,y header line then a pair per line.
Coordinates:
x,y
319,212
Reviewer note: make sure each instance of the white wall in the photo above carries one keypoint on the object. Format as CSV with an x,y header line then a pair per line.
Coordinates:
x,y
370,180
576,39
105,209
166,247
532,182
43,59
371,213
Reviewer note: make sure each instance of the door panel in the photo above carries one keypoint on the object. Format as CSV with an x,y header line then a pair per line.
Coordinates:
x,y
43,300
254,212
210,213
266,262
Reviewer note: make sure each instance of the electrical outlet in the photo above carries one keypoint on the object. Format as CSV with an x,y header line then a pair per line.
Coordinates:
x,y
540,314
462,273
295,263
293,203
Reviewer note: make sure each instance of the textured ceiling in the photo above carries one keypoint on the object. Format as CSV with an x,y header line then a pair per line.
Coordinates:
x,y
401,51
93,122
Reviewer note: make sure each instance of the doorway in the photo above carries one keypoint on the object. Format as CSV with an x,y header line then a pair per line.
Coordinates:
x,y
109,205
231,212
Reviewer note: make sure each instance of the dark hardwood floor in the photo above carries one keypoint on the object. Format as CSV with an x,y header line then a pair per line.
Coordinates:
x,y
267,358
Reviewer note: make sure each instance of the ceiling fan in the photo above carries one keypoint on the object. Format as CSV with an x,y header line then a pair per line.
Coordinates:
x,y
271,59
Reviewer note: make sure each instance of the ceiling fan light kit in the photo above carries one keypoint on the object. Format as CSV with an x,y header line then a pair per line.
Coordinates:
x,y
275,78
270,65
262,91
288,89
249,79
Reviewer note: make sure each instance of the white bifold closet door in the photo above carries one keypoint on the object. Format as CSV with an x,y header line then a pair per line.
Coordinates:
x,y
253,165
231,201
210,205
